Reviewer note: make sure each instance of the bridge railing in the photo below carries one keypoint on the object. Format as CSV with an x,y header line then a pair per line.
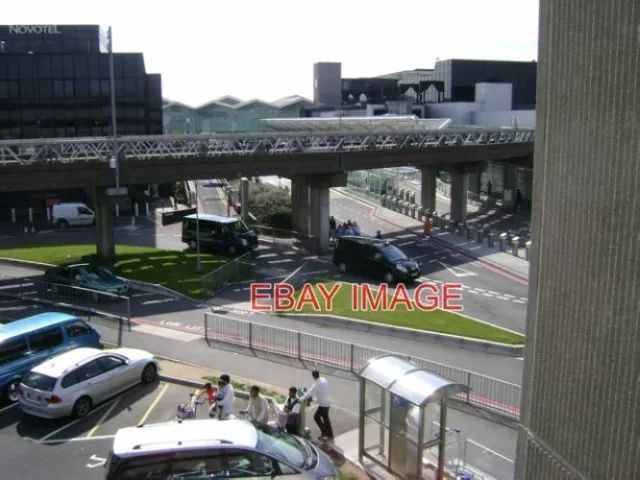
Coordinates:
x,y
490,394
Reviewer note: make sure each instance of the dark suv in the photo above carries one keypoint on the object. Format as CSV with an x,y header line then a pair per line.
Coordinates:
x,y
374,258
226,234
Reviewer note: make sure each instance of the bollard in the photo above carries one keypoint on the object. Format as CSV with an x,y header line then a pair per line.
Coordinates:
x,y
515,246
146,205
503,238
407,205
480,235
48,215
420,213
401,193
461,229
412,197
136,209
470,233
413,210
491,239
453,225
13,215
383,200
30,214
527,250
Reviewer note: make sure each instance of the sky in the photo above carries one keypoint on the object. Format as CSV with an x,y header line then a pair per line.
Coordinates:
x,y
266,49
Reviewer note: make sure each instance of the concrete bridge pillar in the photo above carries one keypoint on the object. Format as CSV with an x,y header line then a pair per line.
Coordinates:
x,y
300,204
428,190
459,187
319,217
105,235
510,185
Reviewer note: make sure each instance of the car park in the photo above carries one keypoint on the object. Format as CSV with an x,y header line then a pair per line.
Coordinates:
x,y
214,448
374,258
27,342
222,234
89,276
72,383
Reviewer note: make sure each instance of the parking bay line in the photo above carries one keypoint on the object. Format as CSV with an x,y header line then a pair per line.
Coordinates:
x,y
76,439
8,407
153,404
103,418
71,424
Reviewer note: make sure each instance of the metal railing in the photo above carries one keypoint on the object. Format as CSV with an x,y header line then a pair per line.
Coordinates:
x,y
281,236
228,273
100,308
487,393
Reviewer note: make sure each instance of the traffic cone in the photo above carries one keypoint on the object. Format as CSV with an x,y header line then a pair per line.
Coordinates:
x,y
427,228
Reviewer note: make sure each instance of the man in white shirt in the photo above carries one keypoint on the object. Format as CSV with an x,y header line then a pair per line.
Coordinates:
x,y
320,389
258,406
226,397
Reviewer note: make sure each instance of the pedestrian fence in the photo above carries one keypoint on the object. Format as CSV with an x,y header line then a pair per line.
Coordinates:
x,y
100,308
496,396
280,236
228,273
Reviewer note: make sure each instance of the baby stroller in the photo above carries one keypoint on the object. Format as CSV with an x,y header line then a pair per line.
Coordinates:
x,y
186,411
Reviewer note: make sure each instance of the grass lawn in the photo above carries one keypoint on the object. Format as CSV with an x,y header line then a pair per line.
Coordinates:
x,y
435,321
170,268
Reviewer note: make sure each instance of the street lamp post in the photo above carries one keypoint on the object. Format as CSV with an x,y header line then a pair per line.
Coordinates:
x,y
197,230
115,164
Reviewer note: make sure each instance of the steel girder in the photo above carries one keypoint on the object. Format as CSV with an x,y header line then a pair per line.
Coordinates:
x,y
140,148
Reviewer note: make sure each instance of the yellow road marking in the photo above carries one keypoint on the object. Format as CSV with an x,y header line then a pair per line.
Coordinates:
x,y
153,404
103,418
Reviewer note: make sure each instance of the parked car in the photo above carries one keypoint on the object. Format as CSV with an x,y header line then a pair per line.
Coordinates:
x,y
64,215
73,383
375,258
224,234
27,342
86,275
212,449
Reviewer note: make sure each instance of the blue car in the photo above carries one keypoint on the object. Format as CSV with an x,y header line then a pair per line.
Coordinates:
x,y
30,341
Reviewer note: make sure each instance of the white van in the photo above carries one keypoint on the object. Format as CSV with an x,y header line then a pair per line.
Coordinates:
x,y
65,215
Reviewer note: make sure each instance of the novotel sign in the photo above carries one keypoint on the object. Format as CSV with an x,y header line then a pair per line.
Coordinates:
x,y
34,29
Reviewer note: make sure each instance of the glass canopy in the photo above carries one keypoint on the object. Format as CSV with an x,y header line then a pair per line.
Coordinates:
x,y
409,381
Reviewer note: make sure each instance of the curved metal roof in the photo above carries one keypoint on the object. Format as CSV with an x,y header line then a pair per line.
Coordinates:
x,y
357,124
409,381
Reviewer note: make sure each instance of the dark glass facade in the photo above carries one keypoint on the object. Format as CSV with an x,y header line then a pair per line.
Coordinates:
x,y
376,90
56,89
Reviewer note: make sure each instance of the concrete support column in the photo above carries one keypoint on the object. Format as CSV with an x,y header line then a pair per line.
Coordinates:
x,y
428,189
319,217
510,185
244,198
300,204
459,187
474,180
105,236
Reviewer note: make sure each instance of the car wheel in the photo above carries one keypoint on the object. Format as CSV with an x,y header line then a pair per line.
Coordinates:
x,y
192,245
62,223
342,267
12,391
388,277
82,407
232,250
149,374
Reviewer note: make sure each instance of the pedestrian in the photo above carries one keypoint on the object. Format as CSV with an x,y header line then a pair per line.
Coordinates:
x,y
518,199
356,228
489,188
225,396
332,227
258,408
292,408
349,228
320,388
379,235
210,393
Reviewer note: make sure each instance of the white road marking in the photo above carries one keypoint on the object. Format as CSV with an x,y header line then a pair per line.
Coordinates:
x,y
77,420
493,293
285,260
97,461
518,301
502,297
405,244
507,295
8,407
457,271
166,333
474,292
487,295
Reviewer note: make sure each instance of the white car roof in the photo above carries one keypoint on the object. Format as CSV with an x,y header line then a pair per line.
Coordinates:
x,y
56,366
154,438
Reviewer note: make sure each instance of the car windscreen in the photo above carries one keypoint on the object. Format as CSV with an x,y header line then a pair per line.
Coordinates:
x,y
39,381
283,446
392,253
95,272
237,227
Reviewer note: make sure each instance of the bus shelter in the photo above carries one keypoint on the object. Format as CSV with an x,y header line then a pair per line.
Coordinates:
x,y
399,402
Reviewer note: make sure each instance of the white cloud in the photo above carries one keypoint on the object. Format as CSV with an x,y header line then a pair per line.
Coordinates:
x,y
255,48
